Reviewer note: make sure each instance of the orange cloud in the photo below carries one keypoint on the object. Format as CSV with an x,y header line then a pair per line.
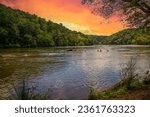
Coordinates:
x,y
71,13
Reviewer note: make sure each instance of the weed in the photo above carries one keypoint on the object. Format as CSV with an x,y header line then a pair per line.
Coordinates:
x,y
25,91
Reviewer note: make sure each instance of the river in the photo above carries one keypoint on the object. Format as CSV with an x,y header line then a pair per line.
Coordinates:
x,y
69,71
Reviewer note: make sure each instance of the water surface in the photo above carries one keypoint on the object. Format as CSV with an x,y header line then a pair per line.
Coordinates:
x,y
69,72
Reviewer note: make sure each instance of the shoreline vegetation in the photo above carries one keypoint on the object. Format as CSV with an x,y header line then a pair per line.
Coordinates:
x,y
121,92
24,90
30,31
132,86
25,30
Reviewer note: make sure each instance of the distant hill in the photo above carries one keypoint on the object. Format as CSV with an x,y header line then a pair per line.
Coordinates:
x,y
20,29
98,38
129,36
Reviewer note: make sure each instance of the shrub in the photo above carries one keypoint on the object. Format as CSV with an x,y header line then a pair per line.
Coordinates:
x,y
146,79
25,91
130,81
134,84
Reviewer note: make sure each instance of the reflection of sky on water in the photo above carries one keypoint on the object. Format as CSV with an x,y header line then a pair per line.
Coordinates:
x,y
70,73
102,68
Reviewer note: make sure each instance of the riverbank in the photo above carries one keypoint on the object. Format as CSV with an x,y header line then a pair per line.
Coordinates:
x,y
132,85
68,72
138,94
126,89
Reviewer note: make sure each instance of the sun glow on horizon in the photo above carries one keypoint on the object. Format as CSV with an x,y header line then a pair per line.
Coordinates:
x,y
71,13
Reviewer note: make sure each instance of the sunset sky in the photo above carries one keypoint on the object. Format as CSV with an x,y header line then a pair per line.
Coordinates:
x,y
71,13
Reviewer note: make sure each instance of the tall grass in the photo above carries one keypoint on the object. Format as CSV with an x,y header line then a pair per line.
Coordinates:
x,y
146,78
26,91
130,81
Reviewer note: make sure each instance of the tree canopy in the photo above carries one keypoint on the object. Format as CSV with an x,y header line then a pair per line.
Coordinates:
x,y
20,29
135,13
134,36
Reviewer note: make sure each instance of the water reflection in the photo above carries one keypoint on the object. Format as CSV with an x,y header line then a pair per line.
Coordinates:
x,y
69,74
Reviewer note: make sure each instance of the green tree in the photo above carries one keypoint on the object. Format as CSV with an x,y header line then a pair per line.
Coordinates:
x,y
3,37
20,29
135,12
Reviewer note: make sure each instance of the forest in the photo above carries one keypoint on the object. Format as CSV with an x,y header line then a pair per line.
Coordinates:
x,y
135,36
20,29
134,14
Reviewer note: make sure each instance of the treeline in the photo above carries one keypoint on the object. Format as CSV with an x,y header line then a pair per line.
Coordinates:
x,y
129,36
20,29
98,38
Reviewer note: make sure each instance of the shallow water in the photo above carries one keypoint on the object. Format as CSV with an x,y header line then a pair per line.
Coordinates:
x,y
69,72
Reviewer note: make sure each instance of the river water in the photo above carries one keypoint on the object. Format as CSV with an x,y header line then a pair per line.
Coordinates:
x,y
69,71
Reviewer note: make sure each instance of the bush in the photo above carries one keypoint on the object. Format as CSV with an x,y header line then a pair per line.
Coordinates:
x,y
130,81
134,84
146,79
24,91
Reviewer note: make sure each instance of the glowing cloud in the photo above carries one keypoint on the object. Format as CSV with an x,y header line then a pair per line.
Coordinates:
x,y
71,13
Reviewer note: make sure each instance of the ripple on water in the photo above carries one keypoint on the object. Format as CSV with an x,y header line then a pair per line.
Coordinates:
x,y
69,74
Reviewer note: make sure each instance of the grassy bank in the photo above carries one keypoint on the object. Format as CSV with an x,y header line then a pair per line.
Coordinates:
x,y
134,90
132,86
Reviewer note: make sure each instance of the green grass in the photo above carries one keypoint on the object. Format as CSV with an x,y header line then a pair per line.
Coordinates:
x,y
130,82
120,88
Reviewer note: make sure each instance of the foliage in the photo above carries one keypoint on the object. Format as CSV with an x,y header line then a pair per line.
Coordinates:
x,y
25,91
136,13
146,79
20,29
130,81
135,36
98,39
